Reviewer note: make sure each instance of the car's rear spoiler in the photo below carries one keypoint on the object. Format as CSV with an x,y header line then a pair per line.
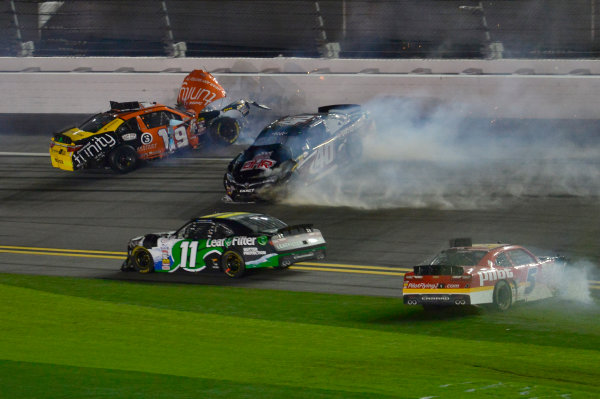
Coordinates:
x,y
438,270
295,229
341,108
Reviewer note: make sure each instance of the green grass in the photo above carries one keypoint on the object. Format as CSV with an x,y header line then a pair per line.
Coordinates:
x,y
64,337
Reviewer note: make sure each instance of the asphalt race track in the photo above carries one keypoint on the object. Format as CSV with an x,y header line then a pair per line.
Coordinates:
x,y
77,224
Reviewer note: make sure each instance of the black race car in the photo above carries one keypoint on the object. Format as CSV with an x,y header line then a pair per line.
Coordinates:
x,y
301,147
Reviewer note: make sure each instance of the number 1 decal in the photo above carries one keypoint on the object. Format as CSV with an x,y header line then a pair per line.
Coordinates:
x,y
193,249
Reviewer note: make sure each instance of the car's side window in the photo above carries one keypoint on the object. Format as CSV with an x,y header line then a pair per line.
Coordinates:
x,y
502,260
222,231
173,115
520,257
333,124
155,119
198,230
131,126
318,135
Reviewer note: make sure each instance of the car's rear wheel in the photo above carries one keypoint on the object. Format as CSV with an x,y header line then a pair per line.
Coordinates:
x,y
224,130
142,260
123,159
502,296
233,264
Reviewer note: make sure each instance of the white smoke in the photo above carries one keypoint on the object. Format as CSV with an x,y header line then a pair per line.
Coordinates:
x,y
572,282
427,154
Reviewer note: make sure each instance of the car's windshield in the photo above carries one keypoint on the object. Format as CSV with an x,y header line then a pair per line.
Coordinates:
x,y
97,122
260,223
290,136
456,257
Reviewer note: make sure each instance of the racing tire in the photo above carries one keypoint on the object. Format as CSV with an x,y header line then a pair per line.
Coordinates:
x,y
123,159
233,264
224,130
142,260
502,299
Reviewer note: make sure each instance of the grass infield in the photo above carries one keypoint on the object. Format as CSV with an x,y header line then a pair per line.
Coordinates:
x,y
80,338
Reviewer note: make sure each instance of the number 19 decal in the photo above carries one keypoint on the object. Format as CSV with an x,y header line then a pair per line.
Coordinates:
x,y
175,140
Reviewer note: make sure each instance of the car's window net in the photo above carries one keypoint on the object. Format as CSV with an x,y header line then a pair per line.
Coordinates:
x,y
131,126
261,223
155,119
453,257
502,260
222,231
196,230
97,122
173,115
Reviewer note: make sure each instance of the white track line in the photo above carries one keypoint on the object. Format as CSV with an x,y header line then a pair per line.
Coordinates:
x,y
44,154
25,154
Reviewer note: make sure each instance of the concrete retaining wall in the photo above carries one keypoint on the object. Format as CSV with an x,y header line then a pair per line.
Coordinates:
x,y
565,89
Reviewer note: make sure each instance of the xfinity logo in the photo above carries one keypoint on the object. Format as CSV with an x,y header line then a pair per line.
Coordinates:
x,y
94,147
493,275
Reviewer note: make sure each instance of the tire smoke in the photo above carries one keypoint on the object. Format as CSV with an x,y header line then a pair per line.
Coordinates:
x,y
427,154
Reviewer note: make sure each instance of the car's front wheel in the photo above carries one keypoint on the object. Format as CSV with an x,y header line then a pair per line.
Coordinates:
x,y
224,130
502,296
142,260
123,159
233,264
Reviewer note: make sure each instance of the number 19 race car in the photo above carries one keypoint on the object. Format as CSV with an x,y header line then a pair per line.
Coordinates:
x,y
474,274
231,242
132,131
303,147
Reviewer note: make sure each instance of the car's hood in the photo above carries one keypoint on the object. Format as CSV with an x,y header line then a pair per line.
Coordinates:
x,y
260,162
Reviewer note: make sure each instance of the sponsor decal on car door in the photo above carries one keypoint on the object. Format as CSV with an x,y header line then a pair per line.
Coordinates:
x,y
191,255
322,158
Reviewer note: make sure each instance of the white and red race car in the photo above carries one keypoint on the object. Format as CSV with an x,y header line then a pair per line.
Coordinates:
x,y
476,274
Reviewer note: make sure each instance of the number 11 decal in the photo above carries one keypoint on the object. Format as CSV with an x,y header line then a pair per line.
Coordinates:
x,y
193,248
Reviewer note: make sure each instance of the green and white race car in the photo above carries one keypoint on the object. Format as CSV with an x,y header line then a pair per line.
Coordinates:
x,y
232,242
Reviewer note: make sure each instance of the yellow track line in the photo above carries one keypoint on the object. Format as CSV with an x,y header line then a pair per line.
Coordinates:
x,y
327,267
345,270
356,266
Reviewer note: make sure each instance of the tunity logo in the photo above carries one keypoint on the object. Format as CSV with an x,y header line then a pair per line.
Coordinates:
x,y
493,275
196,95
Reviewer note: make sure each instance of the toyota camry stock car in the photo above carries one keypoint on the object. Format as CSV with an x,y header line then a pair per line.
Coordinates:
x,y
475,274
302,147
231,242
134,130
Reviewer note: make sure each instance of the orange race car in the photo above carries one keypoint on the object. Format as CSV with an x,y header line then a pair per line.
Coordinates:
x,y
133,131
